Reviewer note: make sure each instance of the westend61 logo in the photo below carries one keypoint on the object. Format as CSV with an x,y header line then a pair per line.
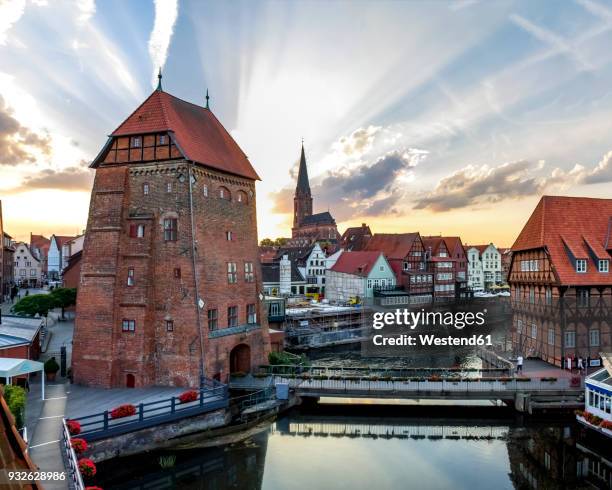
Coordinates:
x,y
396,322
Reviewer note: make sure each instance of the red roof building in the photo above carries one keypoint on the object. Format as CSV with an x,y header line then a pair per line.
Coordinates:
x,y
446,257
358,275
355,238
170,272
406,255
560,279
178,130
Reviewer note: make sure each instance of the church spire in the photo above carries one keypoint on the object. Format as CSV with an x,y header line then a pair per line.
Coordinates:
x,y
159,77
207,99
303,186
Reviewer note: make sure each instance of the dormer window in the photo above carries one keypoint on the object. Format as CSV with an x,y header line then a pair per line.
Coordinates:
x,y
604,265
581,265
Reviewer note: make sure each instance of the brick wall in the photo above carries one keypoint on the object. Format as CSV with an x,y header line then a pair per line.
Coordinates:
x,y
103,353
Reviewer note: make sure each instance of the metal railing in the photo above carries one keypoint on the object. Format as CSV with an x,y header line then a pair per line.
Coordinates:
x,y
70,460
378,371
102,425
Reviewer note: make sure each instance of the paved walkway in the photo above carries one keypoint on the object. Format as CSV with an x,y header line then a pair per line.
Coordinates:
x,y
44,420
84,401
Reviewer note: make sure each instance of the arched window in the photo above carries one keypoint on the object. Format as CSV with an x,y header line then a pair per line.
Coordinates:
x,y
242,197
224,193
145,188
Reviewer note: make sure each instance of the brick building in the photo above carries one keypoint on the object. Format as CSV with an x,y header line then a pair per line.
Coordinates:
x,y
560,280
170,276
7,252
309,227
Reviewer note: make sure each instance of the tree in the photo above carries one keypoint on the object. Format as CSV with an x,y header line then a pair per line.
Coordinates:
x,y
266,242
63,298
36,304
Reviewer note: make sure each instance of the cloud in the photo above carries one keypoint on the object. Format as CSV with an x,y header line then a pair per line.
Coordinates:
x,y
358,142
476,185
166,12
77,178
367,190
86,9
601,173
10,12
19,144
479,184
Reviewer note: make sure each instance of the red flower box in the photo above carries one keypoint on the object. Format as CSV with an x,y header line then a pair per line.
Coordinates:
x,y
73,427
93,488
87,467
188,396
79,445
123,411
606,424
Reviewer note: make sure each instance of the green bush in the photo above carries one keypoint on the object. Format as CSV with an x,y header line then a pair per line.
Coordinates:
x,y
15,397
51,366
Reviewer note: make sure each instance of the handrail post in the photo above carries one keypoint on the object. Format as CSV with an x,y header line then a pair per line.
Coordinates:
x,y
173,404
141,412
105,419
201,398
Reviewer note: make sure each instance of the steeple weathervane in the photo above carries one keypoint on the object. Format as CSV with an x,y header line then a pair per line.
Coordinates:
x,y
159,77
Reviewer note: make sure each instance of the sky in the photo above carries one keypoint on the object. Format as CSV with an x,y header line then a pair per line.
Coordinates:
x,y
441,117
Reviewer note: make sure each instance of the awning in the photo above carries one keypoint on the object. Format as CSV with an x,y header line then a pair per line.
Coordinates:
x,y
14,367
9,368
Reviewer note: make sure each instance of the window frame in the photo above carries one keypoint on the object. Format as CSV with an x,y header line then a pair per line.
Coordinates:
x,y
128,325
232,316
212,316
170,232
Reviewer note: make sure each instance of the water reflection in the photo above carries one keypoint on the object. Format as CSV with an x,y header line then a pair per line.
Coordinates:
x,y
325,449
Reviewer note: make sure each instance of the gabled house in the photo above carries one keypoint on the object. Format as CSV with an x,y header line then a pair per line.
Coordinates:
x,y
442,265
39,245
356,275
28,269
282,278
356,238
406,256
55,256
560,280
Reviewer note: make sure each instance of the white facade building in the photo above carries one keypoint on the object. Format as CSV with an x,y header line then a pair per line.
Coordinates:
x,y
28,269
598,396
484,267
475,276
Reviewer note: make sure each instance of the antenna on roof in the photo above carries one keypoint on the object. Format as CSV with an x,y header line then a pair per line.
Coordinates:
x,y
159,77
207,98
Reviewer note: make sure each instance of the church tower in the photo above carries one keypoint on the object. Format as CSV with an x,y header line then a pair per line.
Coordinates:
x,y
302,200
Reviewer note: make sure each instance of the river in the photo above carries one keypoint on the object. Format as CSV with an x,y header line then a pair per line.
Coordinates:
x,y
373,446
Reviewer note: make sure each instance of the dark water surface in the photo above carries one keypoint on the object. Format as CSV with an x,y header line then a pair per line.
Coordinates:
x,y
384,447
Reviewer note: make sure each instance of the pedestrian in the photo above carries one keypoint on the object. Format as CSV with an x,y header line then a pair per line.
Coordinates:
x,y
580,364
568,363
519,364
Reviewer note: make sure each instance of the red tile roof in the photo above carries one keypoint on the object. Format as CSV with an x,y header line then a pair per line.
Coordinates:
x,y
566,224
356,238
393,245
62,240
356,263
197,132
41,243
433,243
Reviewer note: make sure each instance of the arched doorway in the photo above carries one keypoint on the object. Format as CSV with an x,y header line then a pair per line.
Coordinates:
x,y
130,381
240,359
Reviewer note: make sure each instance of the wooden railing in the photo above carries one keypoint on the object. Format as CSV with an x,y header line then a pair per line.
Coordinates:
x,y
70,460
101,425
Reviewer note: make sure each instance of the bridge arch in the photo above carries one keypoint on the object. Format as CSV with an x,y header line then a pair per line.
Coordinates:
x,y
240,359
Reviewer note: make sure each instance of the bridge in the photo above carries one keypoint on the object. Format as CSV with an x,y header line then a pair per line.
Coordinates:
x,y
526,393
373,429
